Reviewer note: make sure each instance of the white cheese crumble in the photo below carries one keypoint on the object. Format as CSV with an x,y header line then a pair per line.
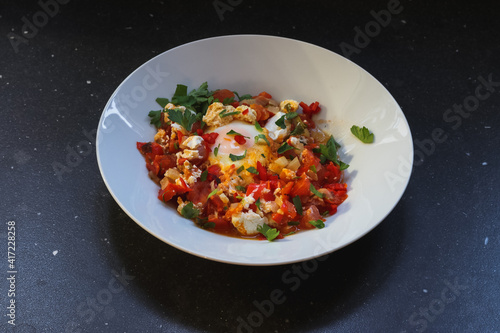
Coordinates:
x,y
247,223
275,132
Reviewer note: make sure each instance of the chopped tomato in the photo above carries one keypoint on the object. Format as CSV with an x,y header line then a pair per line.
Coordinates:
x,y
210,137
262,171
172,190
162,163
222,94
278,218
289,209
220,223
240,139
199,192
266,95
301,187
311,109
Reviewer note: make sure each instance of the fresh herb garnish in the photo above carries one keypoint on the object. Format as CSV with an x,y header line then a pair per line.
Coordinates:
x,y
222,115
284,147
318,224
263,137
237,157
268,232
241,188
196,99
252,170
325,213
281,122
189,212
299,129
240,98
291,115
216,150
212,193
363,134
208,225
228,100
162,101
257,126
184,118
231,132
329,152
240,169
313,168
293,223
257,203
298,204
155,118
204,175
316,192
263,155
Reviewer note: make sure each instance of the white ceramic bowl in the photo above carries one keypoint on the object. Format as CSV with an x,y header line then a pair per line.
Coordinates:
x,y
288,69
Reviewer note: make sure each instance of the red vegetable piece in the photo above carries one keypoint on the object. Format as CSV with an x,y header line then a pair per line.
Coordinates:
x,y
240,139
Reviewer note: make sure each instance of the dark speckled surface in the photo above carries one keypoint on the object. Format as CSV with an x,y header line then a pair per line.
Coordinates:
x,y
83,266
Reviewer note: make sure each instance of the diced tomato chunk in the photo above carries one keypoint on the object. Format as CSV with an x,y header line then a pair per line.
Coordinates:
x,y
240,139
262,171
301,187
289,209
266,95
222,94
172,190
220,223
210,137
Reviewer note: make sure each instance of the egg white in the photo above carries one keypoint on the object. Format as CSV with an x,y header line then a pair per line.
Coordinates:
x,y
227,145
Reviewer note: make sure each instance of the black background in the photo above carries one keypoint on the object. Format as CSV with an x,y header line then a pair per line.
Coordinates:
x,y
444,232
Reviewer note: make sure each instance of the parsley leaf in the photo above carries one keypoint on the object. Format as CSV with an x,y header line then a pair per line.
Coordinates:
x,y
156,118
316,192
184,118
208,225
318,224
363,134
240,98
228,100
224,114
240,169
257,203
189,212
329,152
281,122
284,147
212,193
241,188
268,232
258,127
298,204
313,168
216,150
263,137
252,170
237,157
291,115
162,101
204,175
231,132
299,129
